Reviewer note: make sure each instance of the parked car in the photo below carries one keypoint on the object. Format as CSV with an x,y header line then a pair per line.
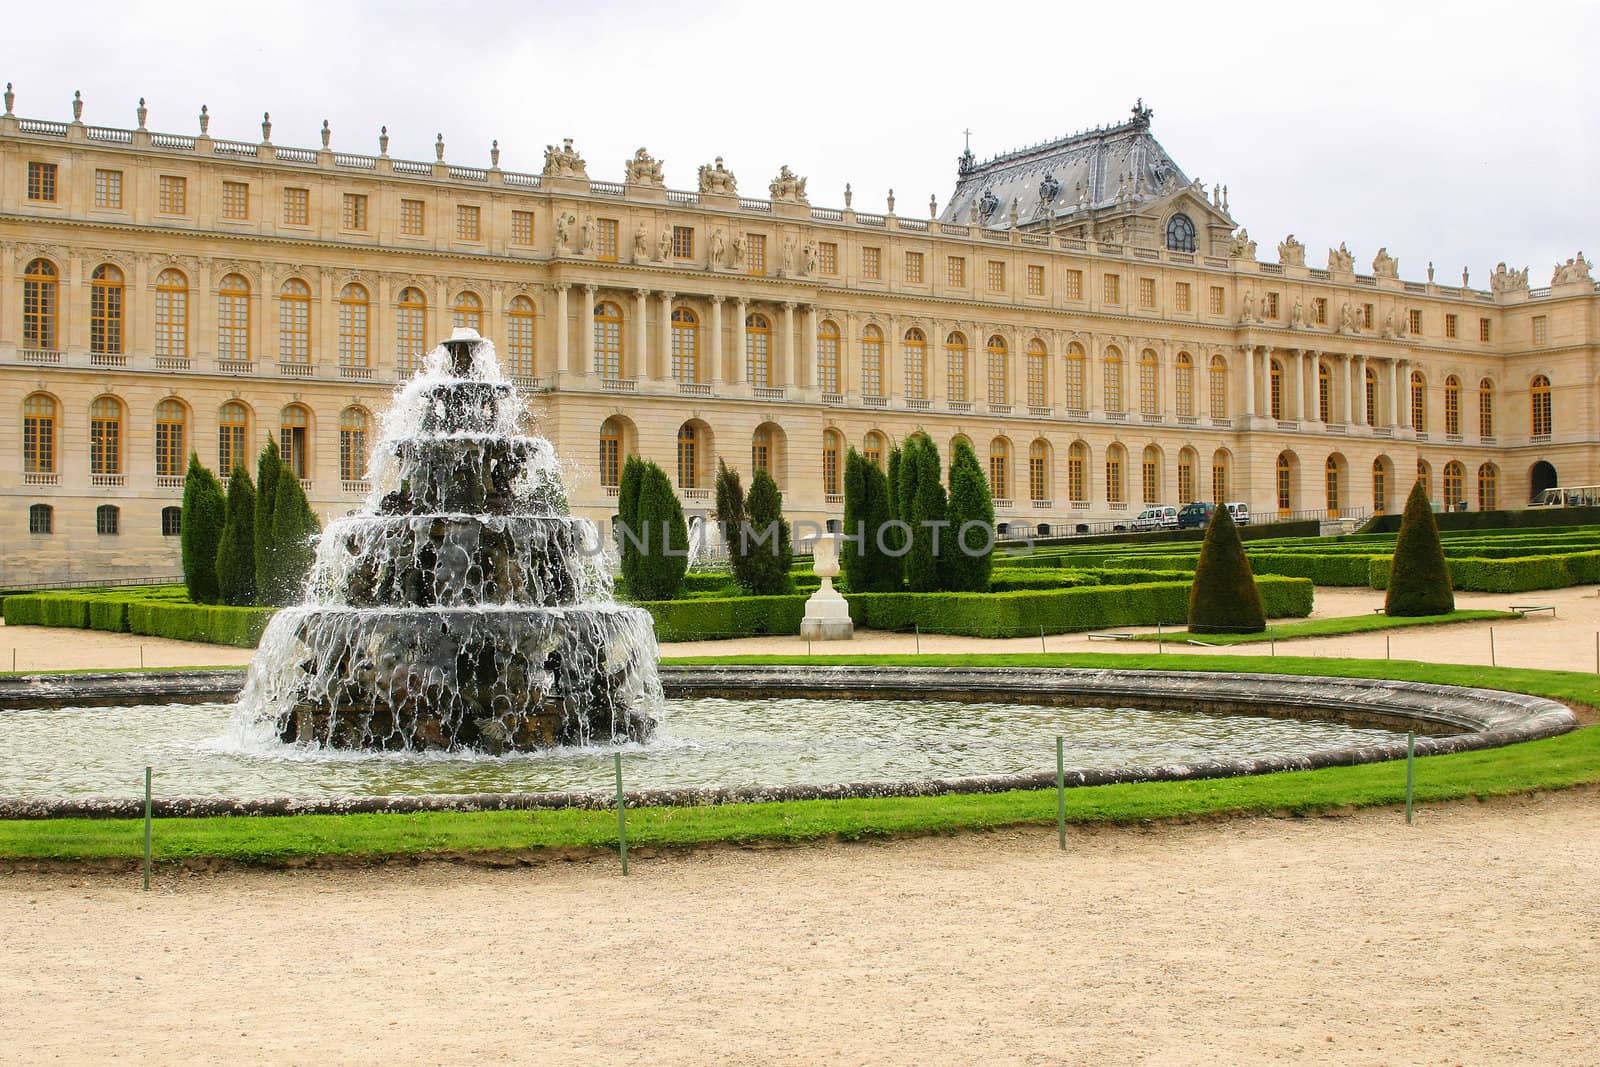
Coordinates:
x,y
1161,517
1195,515
1240,512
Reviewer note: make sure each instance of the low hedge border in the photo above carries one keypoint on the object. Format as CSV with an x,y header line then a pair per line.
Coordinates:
x,y
156,617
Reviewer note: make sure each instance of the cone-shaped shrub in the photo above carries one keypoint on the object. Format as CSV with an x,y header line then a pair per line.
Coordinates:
x,y
922,497
966,557
867,567
630,536
664,557
294,525
204,512
1224,598
768,554
236,555
268,466
730,516
893,483
1419,579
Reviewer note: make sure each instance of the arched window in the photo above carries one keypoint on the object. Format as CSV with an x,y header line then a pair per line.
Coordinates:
x,y
410,329
1183,385
107,519
871,361
353,425
1452,405
233,318
1380,486
611,453
233,429
105,436
1455,479
1324,391
1221,470
1370,381
1000,468
608,340
172,424
1077,472
688,457
1149,383
105,310
758,350
353,319
832,447
1039,471
1180,233
41,519
294,440
761,450
1113,379
294,322
1540,405
1331,477
172,315
521,318
40,304
1275,396
1186,465
1150,474
685,345
828,357
467,311
1285,470
1219,387
1485,408
39,434
1115,493
1038,374
873,448
955,351
1419,402
999,371
171,522
1488,487
1074,387
1425,477
916,355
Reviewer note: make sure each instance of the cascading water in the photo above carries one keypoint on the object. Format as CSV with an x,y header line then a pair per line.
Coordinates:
x,y
463,607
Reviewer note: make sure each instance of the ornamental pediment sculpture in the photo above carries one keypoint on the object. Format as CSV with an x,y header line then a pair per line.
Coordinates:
x,y
1340,260
1573,270
1508,281
1384,265
643,169
788,186
1291,253
1242,247
563,162
718,179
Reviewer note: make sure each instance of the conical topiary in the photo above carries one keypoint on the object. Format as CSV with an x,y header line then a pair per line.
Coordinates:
x,y
204,511
658,574
769,554
1419,579
966,559
1224,598
269,465
236,555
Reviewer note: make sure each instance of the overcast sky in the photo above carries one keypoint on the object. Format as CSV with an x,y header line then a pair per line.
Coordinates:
x,y
1464,134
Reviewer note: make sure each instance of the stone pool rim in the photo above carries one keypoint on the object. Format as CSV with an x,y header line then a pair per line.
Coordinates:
x,y
1450,718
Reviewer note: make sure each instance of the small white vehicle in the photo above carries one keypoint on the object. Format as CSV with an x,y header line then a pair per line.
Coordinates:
x,y
1163,517
1240,512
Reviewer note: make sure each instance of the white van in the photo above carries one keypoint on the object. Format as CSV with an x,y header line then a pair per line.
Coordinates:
x,y
1163,517
1240,512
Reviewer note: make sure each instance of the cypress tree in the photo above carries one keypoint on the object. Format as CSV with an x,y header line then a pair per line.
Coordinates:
x,y
769,561
854,565
236,556
661,564
1224,598
1419,578
883,570
905,493
927,506
894,484
268,466
730,516
293,525
966,562
204,512
628,529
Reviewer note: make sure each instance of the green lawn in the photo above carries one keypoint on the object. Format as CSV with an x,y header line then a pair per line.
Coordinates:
x,y
1553,763
1351,624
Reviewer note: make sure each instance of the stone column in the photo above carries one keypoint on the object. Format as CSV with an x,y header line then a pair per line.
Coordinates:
x,y
664,331
641,336
1295,395
563,356
741,312
1248,354
806,373
786,361
586,329
717,369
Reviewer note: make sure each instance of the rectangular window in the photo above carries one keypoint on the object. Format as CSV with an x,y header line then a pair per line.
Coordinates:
x,y
1366,316
1219,301
955,274
1035,280
1074,285
297,207
235,200
1272,305
683,242
1450,326
1319,311
1111,289
1541,330
522,227
755,253
413,218
42,182
468,222
354,216
997,276
1180,296
605,240
108,188
39,518
1416,322
872,263
173,197
1147,292
828,257
1483,330
914,268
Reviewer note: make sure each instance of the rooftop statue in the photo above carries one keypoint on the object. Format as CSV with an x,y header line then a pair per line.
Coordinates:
x,y
718,179
1508,281
1340,260
1573,270
1291,253
563,162
1384,265
788,186
643,169
1242,247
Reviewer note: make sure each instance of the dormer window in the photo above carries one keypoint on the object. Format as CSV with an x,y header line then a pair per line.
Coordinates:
x,y
1180,234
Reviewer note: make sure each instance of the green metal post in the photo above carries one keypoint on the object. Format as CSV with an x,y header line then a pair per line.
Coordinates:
x,y
1411,759
1061,791
147,829
1492,663
1041,639
917,627
622,817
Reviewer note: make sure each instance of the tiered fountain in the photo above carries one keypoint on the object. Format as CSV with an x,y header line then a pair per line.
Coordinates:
x,y
463,608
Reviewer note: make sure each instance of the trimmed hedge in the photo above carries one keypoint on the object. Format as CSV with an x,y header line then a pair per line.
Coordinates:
x,y
1521,519
749,616
1508,575
154,617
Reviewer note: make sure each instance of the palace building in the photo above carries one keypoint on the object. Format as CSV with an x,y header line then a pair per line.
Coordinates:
x,y
1091,319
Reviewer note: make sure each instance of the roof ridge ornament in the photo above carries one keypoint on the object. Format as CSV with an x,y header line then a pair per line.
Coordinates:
x,y
1141,114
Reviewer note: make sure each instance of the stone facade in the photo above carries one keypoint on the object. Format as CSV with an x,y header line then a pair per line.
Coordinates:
x,y
1117,346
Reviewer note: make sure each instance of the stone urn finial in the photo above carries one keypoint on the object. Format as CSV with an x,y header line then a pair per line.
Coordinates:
x,y
205,120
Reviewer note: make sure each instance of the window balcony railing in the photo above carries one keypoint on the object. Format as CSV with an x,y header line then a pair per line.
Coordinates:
x,y
874,401
39,355
108,481
1117,416
305,485
355,486
1188,420
960,405
833,398
999,409
832,498
1153,416
169,481
1422,435
1040,411
1488,439
696,494
41,478
1336,427
1288,424
619,385
364,374
529,382
1453,438
1222,423
918,404
694,388
1117,505
1077,413
113,359
1383,431
170,363
1044,504
612,490
236,366
1533,438
767,392
1003,503
297,370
